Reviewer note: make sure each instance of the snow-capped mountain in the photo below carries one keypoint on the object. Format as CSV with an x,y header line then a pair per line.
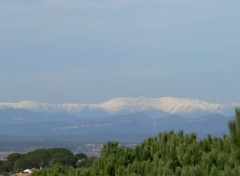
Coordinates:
x,y
124,119
166,104
140,104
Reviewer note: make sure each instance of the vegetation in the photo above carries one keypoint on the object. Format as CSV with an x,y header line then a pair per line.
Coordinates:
x,y
168,154
42,158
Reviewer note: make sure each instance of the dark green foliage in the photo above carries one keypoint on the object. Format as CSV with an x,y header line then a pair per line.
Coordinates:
x,y
3,167
42,158
85,162
57,170
234,127
80,156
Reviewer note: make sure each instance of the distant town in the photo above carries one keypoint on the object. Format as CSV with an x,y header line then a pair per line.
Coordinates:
x,y
95,149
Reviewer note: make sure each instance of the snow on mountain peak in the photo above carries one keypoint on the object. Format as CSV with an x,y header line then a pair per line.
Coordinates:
x,y
118,104
175,105
167,104
20,105
139,104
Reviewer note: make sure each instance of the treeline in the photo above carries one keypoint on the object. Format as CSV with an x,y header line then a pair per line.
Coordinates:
x,y
42,158
168,154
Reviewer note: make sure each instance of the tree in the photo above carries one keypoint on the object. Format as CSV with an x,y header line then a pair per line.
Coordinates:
x,y
234,127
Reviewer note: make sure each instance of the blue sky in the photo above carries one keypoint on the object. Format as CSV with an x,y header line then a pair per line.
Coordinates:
x,y
88,51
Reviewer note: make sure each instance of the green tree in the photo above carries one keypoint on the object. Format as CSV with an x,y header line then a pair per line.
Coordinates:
x,y
234,127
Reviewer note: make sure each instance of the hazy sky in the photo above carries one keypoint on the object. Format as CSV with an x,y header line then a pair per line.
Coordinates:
x,y
88,51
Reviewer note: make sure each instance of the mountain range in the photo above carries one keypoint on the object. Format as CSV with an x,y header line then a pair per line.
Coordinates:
x,y
140,104
123,119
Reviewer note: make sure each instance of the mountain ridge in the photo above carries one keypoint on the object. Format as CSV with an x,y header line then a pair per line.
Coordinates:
x,y
139,104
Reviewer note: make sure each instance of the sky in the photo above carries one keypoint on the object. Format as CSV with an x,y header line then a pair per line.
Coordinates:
x,y
89,51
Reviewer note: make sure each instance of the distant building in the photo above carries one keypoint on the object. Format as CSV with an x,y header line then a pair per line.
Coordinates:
x,y
30,171
27,172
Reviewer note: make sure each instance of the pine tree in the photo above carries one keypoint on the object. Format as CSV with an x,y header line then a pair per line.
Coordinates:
x,y
234,127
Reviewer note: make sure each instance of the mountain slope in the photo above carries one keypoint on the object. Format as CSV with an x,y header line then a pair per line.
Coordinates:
x,y
140,104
